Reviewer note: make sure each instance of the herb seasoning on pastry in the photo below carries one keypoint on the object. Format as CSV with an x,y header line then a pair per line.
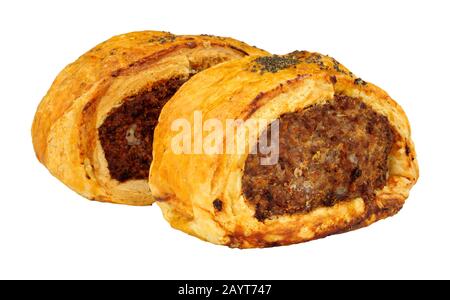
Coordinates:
x,y
345,157
94,128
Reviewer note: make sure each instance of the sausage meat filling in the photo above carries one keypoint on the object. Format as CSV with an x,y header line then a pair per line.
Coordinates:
x,y
327,153
126,135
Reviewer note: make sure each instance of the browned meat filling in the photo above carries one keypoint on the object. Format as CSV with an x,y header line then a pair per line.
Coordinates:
x,y
328,153
126,135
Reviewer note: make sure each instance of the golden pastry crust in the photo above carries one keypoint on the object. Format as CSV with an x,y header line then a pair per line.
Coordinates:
x,y
187,186
65,127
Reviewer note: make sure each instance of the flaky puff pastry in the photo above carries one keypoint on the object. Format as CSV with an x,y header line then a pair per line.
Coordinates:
x,y
65,128
202,194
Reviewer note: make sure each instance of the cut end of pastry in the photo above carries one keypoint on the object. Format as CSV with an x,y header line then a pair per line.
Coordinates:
x,y
126,135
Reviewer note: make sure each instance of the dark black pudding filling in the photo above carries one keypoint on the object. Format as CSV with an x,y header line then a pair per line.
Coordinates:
x,y
126,135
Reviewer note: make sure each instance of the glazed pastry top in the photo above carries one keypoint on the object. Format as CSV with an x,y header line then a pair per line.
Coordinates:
x,y
121,54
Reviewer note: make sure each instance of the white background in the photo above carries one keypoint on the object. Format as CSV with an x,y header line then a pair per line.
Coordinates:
x,y
48,231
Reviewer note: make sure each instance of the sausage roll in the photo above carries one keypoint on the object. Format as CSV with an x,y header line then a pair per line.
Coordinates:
x,y
344,157
94,128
